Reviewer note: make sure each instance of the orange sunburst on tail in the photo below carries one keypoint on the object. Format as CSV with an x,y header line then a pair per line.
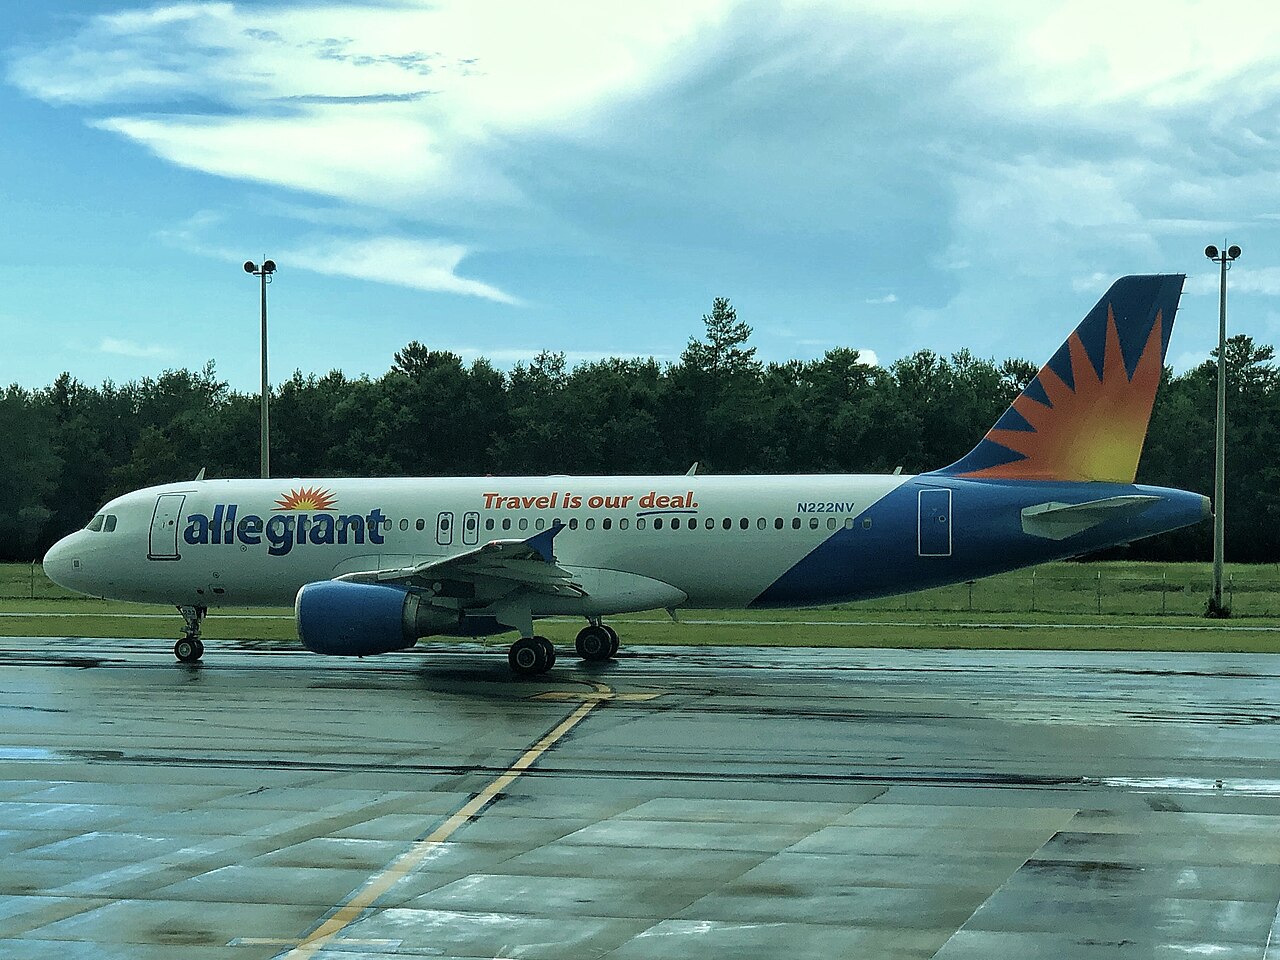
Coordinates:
x,y
306,498
1095,431
1085,415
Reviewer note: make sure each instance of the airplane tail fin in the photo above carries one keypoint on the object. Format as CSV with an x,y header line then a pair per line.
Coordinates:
x,y
1085,414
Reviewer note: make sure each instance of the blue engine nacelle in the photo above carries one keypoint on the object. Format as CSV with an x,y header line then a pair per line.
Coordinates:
x,y
359,619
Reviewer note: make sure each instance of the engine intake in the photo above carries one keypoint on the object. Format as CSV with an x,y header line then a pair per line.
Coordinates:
x,y
360,619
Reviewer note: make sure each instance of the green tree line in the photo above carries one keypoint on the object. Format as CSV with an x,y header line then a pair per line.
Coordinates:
x,y
71,446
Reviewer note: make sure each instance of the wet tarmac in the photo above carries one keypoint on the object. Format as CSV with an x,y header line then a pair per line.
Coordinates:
x,y
678,803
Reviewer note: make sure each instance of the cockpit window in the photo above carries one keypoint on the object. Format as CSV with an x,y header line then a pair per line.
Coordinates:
x,y
95,525
109,524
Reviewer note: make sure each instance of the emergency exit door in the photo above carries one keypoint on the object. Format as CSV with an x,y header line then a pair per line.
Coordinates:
x,y
934,531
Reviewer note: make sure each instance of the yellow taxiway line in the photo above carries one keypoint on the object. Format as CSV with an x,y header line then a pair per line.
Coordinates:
x,y
410,860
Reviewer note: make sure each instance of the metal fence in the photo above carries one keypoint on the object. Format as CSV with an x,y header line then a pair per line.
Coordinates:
x,y
1100,589
1098,592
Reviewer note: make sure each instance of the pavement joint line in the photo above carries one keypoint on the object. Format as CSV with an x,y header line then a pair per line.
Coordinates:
x,y
376,886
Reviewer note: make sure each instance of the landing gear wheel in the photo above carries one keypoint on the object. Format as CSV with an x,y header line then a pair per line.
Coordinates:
x,y
613,640
529,657
549,650
595,642
188,650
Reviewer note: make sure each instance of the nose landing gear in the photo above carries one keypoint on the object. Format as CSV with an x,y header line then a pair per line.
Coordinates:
x,y
190,648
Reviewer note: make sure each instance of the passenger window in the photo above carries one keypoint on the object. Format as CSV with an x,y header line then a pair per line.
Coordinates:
x,y
710,524
657,523
639,523
573,523
605,524
777,524
866,523
831,523
422,524
795,523
539,524
813,523
506,523
675,523
744,523
727,523
488,524
404,524
95,525
624,523
471,522
109,525
591,523
524,523
848,523
761,524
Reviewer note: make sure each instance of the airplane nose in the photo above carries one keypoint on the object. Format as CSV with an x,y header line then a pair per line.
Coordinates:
x,y
60,563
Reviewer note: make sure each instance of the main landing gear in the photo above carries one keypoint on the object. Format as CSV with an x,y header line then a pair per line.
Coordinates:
x,y
597,642
534,656
531,656
189,649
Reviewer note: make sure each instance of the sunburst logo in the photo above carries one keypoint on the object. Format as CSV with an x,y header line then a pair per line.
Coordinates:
x,y
1090,429
306,498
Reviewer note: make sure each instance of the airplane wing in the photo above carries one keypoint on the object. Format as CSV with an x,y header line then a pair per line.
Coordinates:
x,y
486,572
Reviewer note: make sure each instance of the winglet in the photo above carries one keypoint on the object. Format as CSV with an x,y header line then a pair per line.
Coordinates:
x,y
542,542
1085,414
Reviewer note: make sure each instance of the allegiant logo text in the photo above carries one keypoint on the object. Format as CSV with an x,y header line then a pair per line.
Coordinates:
x,y
282,532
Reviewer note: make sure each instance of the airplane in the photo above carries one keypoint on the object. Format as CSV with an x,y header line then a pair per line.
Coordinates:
x,y
373,565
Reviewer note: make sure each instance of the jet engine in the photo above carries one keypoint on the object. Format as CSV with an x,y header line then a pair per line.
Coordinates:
x,y
359,619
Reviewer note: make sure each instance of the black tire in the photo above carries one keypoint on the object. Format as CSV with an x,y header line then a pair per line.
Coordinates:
x,y
613,640
594,643
188,650
199,648
549,649
528,657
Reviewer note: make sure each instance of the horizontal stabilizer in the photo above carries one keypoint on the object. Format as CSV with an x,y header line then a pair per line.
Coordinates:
x,y
1057,521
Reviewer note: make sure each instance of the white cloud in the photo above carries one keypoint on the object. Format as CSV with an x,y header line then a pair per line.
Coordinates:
x,y
1240,279
420,264
887,298
372,103
128,348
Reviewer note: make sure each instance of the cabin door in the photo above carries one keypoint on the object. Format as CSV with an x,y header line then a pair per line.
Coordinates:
x,y
163,544
934,530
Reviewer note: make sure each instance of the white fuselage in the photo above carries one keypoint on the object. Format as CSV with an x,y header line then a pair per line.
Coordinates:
x,y
715,541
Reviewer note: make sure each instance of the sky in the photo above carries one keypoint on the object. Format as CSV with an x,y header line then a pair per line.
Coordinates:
x,y
501,177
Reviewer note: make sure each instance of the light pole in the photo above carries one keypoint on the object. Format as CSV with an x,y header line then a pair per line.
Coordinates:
x,y
264,272
1223,259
